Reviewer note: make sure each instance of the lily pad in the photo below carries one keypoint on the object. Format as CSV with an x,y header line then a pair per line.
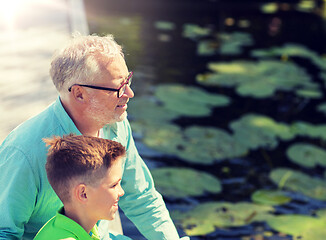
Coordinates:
x,y
291,50
165,138
174,182
254,131
270,197
299,182
309,130
164,25
207,47
206,145
299,226
206,217
232,43
189,101
194,31
148,110
309,93
257,79
322,108
307,155
201,145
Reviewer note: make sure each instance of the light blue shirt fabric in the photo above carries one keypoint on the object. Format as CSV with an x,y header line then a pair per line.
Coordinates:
x,y
27,200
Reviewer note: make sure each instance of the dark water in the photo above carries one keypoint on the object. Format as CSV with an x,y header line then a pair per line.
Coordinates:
x,y
155,61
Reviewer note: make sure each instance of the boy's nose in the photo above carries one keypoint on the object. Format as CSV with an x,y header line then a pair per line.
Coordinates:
x,y
121,192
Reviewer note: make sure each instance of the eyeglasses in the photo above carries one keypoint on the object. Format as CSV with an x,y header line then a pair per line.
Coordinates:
x,y
120,91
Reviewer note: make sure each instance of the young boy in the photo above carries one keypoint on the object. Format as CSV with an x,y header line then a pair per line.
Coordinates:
x,y
85,172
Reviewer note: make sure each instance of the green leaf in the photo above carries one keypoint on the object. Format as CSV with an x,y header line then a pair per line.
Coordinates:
x,y
194,31
189,101
307,155
146,110
258,79
164,25
174,182
322,108
299,226
299,182
309,93
254,131
206,145
309,130
291,50
201,145
204,218
270,197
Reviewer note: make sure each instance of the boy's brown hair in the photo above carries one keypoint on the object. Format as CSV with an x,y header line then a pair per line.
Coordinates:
x,y
81,158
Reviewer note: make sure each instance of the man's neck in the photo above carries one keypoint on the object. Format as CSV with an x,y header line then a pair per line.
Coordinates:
x,y
84,124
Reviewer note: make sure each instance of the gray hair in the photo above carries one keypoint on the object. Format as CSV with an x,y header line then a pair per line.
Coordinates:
x,y
80,61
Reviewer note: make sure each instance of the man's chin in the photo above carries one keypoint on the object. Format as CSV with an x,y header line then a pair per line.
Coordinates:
x,y
118,118
122,117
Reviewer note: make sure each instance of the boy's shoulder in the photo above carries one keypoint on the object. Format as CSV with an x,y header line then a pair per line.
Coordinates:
x,y
61,227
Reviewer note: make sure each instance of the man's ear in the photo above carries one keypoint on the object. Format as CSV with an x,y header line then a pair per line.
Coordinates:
x,y
78,93
80,193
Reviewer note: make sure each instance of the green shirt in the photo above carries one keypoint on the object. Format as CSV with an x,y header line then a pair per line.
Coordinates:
x,y
61,227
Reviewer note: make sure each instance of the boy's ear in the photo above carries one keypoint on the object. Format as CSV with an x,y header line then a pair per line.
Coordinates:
x,y
80,192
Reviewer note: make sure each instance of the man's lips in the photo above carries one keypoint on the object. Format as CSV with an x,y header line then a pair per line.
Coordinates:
x,y
122,105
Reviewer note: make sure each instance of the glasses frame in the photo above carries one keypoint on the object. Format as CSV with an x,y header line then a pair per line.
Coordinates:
x,y
127,82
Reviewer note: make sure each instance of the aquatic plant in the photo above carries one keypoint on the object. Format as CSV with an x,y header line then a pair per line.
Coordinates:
x,y
232,43
299,182
201,145
306,129
255,131
299,226
224,44
194,31
189,101
291,50
270,197
206,217
174,182
322,108
307,155
256,79
164,25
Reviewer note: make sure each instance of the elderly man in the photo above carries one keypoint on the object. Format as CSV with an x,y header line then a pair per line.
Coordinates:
x,y
93,82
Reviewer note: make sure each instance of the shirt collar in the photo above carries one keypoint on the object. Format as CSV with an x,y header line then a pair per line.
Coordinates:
x,y
65,121
68,125
71,226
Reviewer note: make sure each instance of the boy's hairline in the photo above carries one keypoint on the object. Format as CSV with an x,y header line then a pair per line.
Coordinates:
x,y
79,180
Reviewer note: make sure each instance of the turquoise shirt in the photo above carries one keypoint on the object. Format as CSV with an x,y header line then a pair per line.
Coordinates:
x,y
27,200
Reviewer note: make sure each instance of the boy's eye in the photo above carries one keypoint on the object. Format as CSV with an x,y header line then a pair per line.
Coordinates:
x,y
116,184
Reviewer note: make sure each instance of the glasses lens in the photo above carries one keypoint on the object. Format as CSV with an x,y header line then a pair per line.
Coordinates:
x,y
122,90
129,81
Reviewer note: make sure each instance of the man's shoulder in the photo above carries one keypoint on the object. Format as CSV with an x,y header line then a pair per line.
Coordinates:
x,y
32,127
27,138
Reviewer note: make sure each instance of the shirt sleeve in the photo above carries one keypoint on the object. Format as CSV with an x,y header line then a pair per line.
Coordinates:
x,y
18,191
142,204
